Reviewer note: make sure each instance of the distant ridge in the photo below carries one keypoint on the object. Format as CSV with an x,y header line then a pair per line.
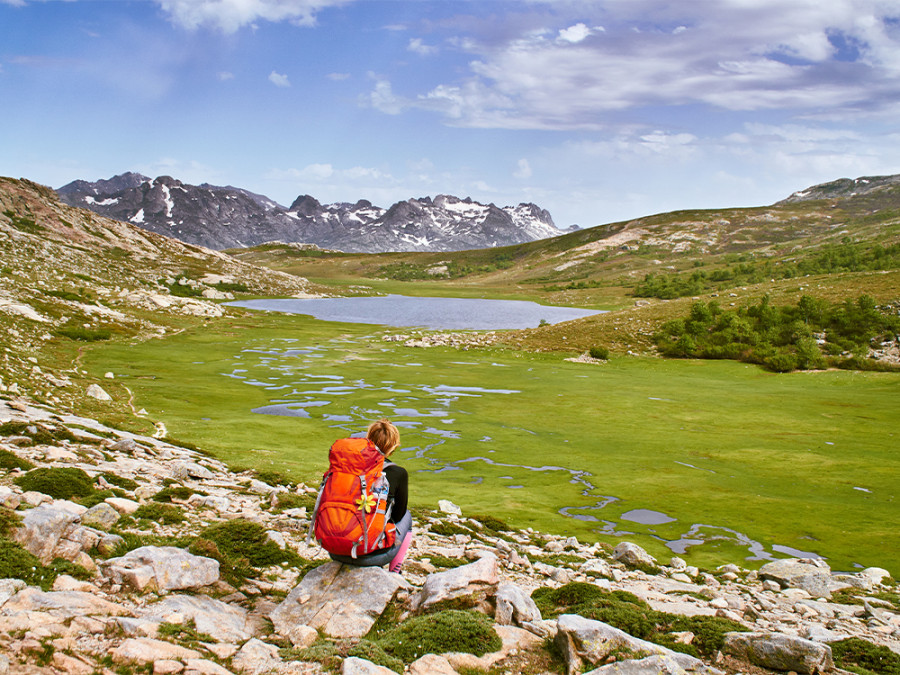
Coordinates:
x,y
229,217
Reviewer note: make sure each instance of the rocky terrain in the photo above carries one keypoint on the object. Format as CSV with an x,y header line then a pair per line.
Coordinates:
x,y
229,217
152,557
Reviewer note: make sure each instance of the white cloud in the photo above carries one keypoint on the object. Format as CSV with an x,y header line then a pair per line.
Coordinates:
x,y
382,97
338,77
417,46
279,80
224,76
725,54
575,33
230,15
523,169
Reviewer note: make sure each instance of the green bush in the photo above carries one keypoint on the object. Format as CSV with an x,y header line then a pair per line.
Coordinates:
x,y
241,546
629,613
449,529
10,460
862,656
17,563
119,481
287,500
490,523
180,492
601,353
83,334
448,631
58,482
98,496
331,653
159,513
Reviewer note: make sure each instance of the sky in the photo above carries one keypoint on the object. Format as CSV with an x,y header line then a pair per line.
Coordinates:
x,y
597,111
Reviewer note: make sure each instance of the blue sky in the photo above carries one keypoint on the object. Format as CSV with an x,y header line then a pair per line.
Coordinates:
x,y
597,111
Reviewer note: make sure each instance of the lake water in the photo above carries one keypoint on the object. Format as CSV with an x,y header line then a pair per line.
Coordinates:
x,y
435,313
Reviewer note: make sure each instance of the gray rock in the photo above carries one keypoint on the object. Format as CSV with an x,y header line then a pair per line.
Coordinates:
x,y
357,666
53,530
477,578
101,515
633,555
148,650
431,664
515,606
9,499
256,657
657,664
97,392
109,543
340,600
126,445
224,622
812,576
780,652
184,470
163,568
9,587
584,640
63,604
597,566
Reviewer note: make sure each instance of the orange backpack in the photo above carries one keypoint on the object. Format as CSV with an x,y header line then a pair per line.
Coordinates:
x,y
352,511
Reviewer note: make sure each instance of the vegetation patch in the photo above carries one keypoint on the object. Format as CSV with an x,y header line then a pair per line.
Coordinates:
x,y
10,460
448,529
785,338
58,482
159,513
447,563
83,334
441,632
284,501
179,492
627,612
120,481
184,634
863,657
331,653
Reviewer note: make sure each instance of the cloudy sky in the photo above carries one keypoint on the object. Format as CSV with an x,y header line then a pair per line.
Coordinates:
x,y
598,111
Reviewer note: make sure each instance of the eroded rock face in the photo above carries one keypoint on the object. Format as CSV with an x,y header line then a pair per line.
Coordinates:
x,y
780,652
147,650
163,568
587,641
53,530
812,576
476,578
515,606
224,622
339,600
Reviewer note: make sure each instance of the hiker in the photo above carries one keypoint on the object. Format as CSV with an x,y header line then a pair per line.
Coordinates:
x,y
358,518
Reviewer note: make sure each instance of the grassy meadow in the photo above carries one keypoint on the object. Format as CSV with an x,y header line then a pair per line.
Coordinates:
x,y
733,454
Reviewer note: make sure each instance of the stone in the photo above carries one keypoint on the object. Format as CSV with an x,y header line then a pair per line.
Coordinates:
x,y
71,664
221,621
780,652
515,606
477,578
633,555
167,667
126,445
63,604
9,587
677,564
45,527
9,499
340,600
183,470
123,505
101,515
256,657
148,650
446,506
163,568
431,664
302,636
514,640
812,576
33,498
204,667
64,582
357,666
650,665
97,392
583,640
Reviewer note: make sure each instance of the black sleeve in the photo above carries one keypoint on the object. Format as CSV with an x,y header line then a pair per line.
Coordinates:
x,y
398,480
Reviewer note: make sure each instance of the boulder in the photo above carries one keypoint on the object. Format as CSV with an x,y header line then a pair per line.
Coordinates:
x,y
340,600
184,470
657,664
633,555
52,530
62,604
123,505
515,606
448,507
477,578
221,621
162,568
204,667
514,641
431,664
583,640
102,516
9,587
812,576
778,651
97,392
256,657
9,499
357,666
597,566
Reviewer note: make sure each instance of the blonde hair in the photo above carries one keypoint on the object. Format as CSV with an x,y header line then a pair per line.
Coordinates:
x,y
385,435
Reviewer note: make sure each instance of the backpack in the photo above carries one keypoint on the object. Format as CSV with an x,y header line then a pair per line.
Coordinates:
x,y
352,511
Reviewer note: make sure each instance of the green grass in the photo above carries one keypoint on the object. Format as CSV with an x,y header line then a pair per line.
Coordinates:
x,y
774,457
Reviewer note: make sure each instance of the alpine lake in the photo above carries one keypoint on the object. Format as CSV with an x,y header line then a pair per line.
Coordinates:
x,y
714,461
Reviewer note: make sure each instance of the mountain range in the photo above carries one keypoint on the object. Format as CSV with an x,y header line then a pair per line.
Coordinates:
x,y
228,217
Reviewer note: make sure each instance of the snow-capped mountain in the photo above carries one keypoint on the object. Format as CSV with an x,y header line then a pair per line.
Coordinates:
x,y
229,217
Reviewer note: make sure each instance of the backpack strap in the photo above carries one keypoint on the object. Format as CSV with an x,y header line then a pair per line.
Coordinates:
x,y
312,521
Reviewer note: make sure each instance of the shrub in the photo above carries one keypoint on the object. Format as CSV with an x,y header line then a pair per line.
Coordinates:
x,y
83,334
601,353
119,481
98,496
58,482
863,656
286,500
447,631
180,492
159,513
242,539
449,529
490,523
331,654
10,460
